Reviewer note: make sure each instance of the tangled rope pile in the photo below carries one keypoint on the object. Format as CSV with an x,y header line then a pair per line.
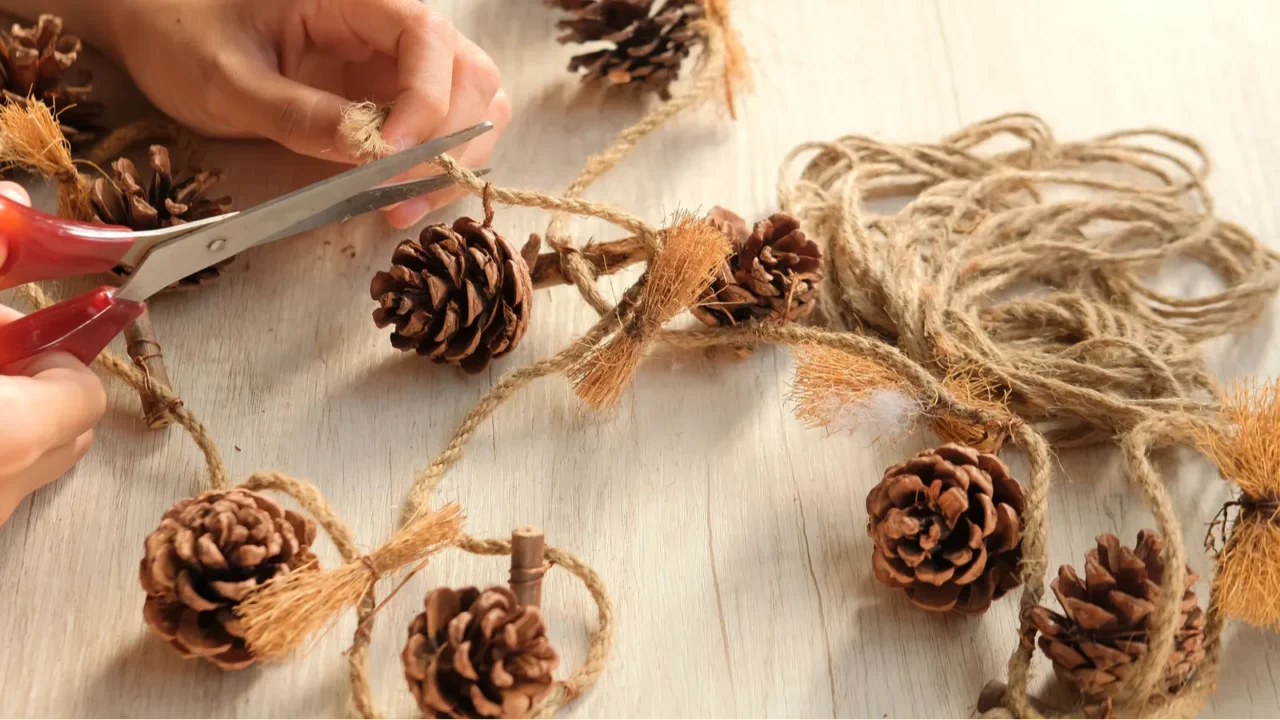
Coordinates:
x,y
933,292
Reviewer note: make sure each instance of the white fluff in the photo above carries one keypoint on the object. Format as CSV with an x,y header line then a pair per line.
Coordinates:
x,y
891,410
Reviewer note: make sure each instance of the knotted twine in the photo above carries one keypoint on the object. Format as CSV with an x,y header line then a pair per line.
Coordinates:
x,y
912,293
1028,265
261,614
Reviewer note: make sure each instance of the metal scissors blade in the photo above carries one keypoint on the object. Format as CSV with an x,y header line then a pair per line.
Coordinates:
x,y
375,199
179,257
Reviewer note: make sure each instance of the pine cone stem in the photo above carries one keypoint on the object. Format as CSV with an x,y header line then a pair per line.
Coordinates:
x,y
145,351
606,258
528,565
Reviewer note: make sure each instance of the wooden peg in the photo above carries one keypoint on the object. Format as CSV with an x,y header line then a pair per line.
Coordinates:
x,y
528,545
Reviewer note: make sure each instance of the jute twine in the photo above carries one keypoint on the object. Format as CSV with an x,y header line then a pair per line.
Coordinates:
x,y
1094,354
269,639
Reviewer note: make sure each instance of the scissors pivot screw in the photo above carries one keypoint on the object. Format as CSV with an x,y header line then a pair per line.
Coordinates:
x,y
216,245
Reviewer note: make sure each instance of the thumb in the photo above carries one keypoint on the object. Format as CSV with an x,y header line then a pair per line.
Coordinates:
x,y
297,116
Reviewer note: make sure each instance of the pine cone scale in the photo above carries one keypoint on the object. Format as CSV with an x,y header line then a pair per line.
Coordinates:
x,y
457,294
936,525
773,274
164,202
208,554
648,46
471,654
1102,633
34,62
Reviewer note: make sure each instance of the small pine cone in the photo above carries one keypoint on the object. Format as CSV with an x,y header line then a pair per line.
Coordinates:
x,y
456,295
478,654
34,62
1103,632
209,553
773,274
947,529
648,47
165,202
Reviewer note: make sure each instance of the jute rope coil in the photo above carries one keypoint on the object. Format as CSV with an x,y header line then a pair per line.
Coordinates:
x,y
916,292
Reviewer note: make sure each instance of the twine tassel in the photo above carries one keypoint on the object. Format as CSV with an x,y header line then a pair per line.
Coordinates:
x,y
1245,444
288,610
692,251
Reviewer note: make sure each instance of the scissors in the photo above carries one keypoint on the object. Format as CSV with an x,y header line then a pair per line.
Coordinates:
x,y
43,247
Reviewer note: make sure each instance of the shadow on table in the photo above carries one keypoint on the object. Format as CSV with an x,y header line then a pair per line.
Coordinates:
x,y
145,673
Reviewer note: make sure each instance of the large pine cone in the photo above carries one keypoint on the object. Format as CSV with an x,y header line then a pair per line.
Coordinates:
x,y
34,62
456,295
648,47
209,553
773,274
165,202
1104,631
947,529
478,655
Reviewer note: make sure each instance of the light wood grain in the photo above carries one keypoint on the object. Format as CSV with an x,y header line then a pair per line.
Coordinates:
x,y
732,538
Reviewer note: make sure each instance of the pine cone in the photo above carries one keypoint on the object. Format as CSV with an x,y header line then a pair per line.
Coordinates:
x,y
947,529
456,295
773,274
163,203
1104,632
34,62
209,553
648,47
478,655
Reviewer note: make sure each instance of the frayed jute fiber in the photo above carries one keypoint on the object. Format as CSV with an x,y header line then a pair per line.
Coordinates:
x,y
1007,301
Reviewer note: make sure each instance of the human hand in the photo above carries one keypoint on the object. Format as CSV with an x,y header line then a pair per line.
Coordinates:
x,y
284,69
50,405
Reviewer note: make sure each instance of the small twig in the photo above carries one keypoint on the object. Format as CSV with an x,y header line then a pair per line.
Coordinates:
x,y
146,353
605,258
528,545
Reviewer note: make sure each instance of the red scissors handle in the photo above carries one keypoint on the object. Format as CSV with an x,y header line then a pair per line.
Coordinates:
x,y
36,246
82,326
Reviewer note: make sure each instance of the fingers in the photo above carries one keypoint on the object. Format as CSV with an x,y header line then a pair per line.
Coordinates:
x,y
47,468
53,400
17,193
423,43
476,97
476,155
299,117
14,191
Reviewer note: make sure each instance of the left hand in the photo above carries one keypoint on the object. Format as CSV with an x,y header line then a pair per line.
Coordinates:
x,y
284,69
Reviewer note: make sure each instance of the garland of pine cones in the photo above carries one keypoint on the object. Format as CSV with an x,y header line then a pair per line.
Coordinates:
x,y
948,526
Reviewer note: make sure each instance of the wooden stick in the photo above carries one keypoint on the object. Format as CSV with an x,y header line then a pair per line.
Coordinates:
x,y
146,353
606,258
528,546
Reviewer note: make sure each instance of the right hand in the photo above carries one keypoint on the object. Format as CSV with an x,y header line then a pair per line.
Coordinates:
x,y
48,407
285,69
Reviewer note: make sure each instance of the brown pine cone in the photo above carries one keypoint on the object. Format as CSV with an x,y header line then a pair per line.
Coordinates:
x,y
478,655
1103,633
209,553
648,47
947,529
34,62
165,202
773,274
456,295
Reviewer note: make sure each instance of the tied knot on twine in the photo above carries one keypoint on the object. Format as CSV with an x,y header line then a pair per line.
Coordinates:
x,y
1244,441
33,140
286,611
691,250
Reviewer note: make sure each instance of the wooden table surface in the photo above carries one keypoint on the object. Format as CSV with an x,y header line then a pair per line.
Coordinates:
x,y
731,537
